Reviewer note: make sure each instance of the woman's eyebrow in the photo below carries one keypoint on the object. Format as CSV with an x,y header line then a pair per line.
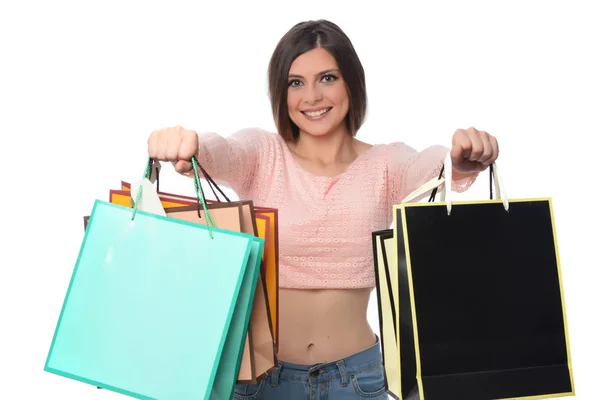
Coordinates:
x,y
320,73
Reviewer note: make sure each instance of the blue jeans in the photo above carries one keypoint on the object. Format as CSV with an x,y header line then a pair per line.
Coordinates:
x,y
359,376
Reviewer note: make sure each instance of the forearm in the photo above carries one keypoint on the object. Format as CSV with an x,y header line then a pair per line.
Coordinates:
x,y
214,155
232,160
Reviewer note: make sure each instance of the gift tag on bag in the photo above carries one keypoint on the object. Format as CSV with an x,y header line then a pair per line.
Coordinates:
x,y
155,171
149,200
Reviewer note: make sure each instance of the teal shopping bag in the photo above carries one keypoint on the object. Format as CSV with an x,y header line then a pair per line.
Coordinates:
x,y
229,366
157,307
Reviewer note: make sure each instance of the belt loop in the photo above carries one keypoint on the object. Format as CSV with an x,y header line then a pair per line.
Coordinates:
x,y
275,375
343,373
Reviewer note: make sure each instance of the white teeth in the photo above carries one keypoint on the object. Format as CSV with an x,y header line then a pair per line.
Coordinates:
x,y
316,113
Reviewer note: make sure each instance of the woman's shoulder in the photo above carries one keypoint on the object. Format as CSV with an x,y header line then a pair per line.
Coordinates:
x,y
381,151
252,131
362,147
400,151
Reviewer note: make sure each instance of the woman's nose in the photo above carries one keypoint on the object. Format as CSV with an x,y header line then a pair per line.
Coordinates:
x,y
313,94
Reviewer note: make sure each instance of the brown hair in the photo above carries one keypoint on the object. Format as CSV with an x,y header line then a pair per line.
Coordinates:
x,y
303,37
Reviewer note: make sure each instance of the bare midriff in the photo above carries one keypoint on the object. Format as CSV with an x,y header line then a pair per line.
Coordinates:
x,y
318,326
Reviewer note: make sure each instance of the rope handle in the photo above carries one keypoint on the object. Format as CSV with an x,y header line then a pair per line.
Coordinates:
x,y
445,196
197,186
445,176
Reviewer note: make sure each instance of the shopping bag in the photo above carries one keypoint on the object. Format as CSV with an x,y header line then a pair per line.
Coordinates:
x,y
228,218
271,252
178,198
156,307
485,292
260,350
259,354
271,265
386,307
263,327
123,197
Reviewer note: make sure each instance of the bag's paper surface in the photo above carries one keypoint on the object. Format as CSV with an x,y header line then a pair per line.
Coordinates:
x,y
486,297
387,314
148,200
135,318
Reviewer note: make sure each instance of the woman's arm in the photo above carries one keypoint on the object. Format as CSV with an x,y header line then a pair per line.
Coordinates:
x,y
232,160
408,169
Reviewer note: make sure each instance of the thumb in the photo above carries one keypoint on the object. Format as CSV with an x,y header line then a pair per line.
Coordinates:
x,y
457,154
183,167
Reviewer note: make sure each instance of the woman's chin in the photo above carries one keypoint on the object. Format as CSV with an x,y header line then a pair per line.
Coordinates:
x,y
320,131
317,133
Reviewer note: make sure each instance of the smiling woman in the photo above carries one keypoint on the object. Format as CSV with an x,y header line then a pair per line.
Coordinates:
x,y
317,95
317,66
331,191
318,102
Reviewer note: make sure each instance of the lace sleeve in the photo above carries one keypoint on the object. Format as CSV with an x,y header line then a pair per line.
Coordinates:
x,y
233,160
408,169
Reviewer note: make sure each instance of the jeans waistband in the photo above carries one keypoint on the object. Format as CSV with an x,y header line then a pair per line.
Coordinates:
x,y
359,362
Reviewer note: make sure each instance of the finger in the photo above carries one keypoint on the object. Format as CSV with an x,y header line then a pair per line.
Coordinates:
x,y
183,167
188,146
495,150
476,145
161,144
457,153
152,146
459,162
172,146
486,154
461,140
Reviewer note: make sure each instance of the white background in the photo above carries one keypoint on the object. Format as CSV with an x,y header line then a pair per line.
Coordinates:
x,y
83,83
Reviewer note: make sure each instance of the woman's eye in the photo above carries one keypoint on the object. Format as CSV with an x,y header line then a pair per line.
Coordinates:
x,y
295,83
329,78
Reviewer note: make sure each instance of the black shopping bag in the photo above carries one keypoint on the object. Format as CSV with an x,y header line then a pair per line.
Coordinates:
x,y
486,298
385,266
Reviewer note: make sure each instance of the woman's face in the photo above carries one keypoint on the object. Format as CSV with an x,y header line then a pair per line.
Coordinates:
x,y
317,97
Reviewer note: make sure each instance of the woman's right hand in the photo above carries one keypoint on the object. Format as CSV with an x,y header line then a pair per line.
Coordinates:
x,y
174,144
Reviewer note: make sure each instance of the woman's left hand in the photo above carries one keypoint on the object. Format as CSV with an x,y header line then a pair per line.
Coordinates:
x,y
473,151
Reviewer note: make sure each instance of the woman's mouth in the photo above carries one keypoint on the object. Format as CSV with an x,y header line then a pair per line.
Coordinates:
x,y
316,114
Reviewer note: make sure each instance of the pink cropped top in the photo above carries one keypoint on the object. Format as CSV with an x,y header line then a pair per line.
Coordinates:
x,y
325,223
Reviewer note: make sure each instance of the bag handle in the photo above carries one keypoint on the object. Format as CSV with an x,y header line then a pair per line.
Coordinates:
x,y
212,184
445,196
155,173
431,185
197,185
445,176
